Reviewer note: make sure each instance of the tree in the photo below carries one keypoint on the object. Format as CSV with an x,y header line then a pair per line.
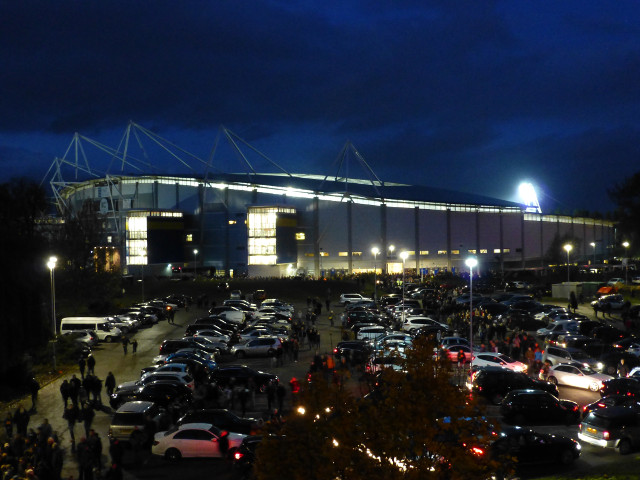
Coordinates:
x,y
626,196
416,424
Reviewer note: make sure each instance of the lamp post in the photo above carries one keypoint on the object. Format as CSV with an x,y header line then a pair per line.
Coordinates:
x,y
626,265
471,262
375,251
391,249
52,265
568,247
593,244
195,261
404,256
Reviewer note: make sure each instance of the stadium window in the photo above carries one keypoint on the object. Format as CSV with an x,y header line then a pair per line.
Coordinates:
x,y
300,236
442,252
424,252
343,254
356,254
483,250
189,237
472,251
455,252
506,250
232,222
496,250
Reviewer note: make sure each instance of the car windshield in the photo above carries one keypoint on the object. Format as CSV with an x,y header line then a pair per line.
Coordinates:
x,y
506,358
587,370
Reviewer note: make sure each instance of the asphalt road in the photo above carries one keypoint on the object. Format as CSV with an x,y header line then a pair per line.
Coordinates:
x,y
110,357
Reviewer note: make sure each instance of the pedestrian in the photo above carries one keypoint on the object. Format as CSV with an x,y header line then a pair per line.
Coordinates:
x,y
91,364
81,364
83,456
271,394
96,390
34,388
134,346
95,447
116,452
21,420
125,344
622,370
8,425
83,396
87,414
110,383
74,389
331,317
71,414
281,392
65,391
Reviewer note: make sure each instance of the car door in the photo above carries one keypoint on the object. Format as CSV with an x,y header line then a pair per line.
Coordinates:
x,y
197,443
568,375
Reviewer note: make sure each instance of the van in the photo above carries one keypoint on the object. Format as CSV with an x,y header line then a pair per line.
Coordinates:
x,y
101,325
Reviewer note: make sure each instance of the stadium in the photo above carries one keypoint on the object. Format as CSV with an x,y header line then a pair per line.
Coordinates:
x,y
195,217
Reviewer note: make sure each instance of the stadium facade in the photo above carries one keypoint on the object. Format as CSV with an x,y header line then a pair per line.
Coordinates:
x,y
283,224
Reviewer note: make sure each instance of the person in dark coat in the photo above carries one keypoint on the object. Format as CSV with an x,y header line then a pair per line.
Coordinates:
x,y
125,344
81,364
134,346
91,364
75,384
21,420
85,465
65,391
110,383
95,447
8,425
87,414
34,388
116,452
281,392
71,414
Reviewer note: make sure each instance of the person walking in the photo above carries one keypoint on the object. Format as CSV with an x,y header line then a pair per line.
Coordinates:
x,y
21,420
83,456
87,414
34,388
74,389
110,383
134,345
125,344
91,364
65,391
71,414
8,425
81,364
281,392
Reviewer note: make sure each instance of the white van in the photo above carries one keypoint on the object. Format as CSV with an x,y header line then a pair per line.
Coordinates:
x,y
101,325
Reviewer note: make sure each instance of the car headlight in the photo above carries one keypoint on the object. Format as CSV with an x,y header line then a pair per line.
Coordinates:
x,y
600,365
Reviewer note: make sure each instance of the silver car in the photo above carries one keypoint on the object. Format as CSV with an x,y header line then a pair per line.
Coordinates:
x,y
258,347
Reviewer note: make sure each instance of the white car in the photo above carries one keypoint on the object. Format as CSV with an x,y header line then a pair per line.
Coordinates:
x,y
577,375
347,298
613,281
212,335
194,440
492,359
448,341
549,311
413,324
559,326
155,376
371,333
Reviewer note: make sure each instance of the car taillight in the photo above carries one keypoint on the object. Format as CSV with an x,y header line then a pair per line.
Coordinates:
x,y
238,455
605,435
477,451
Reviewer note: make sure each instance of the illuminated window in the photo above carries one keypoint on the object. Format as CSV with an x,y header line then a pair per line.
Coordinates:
x,y
189,237
343,254
506,250
410,253
300,236
455,252
472,251
442,252
324,254
109,239
424,252
496,250
483,250
261,226
232,222
136,243
356,254
309,255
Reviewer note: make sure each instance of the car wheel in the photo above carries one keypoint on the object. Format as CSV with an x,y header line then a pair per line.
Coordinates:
x,y
519,419
625,446
496,399
566,457
594,387
240,354
173,455
553,380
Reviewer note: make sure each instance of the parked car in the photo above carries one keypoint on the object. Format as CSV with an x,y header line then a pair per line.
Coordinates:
x,y
243,375
613,427
164,393
194,440
494,383
612,401
355,352
493,359
627,386
136,414
244,457
413,324
556,355
528,447
263,346
223,419
577,375
522,407
609,302
347,298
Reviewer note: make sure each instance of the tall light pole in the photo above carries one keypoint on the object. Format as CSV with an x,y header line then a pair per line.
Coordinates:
x,y
593,244
195,261
403,256
626,265
471,262
391,250
375,251
568,247
52,265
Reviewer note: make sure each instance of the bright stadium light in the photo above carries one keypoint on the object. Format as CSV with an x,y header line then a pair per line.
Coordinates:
x,y
528,197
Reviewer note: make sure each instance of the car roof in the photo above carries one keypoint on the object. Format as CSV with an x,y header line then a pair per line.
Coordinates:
x,y
615,411
136,406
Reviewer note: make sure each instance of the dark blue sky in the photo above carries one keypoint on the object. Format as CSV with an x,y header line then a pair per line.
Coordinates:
x,y
468,95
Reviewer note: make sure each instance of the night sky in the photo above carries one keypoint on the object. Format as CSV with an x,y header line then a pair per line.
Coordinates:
x,y
474,96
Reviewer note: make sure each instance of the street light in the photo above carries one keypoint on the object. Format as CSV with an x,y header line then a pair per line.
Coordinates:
x,y
52,265
593,244
195,260
391,250
471,262
626,265
568,247
375,251
403,256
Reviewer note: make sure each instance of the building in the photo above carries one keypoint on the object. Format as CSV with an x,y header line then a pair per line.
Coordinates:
x,y
283,224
